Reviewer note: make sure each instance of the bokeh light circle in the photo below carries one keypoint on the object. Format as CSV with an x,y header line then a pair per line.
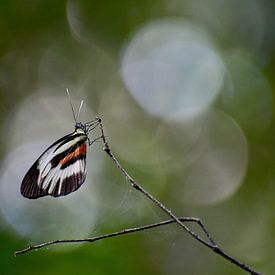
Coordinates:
x,y
246,86
220,162
172,69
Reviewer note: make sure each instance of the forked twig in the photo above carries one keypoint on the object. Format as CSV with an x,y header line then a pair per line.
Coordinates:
x,y
210,243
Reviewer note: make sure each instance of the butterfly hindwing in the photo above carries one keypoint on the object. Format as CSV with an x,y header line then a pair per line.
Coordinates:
x,y
60,170
29,187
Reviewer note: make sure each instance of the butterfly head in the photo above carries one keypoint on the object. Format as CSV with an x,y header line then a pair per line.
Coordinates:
x,y
87,127
81,128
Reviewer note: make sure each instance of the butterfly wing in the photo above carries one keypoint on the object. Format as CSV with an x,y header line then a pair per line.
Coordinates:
x,y
60,170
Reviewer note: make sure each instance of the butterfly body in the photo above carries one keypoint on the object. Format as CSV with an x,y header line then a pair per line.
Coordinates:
x,y
61,169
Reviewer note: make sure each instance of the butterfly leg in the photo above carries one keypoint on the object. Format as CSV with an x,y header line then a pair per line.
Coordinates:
x,y
92,126
98,139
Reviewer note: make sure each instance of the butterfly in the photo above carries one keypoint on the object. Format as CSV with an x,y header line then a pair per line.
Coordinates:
x,y
61,168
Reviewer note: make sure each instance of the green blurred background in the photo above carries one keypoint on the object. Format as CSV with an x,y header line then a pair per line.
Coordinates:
x,y
186,92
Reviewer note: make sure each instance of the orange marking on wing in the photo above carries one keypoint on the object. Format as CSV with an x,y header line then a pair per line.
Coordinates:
x,y
82,150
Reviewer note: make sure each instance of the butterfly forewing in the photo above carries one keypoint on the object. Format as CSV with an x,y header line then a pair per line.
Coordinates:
x,y
60,170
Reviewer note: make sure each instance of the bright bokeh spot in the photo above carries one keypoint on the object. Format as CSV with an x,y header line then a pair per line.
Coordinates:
x,y
172,69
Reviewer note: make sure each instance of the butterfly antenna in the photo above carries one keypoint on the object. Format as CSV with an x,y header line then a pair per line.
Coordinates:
x,y
80,107
67,90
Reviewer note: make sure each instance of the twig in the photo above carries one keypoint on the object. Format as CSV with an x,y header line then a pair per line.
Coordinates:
x,y
113,234
210,243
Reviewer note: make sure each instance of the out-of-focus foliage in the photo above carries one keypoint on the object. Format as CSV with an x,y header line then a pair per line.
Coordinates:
x,y
186,92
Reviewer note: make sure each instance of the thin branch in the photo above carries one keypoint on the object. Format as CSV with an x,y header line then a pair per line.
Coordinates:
x,y
210,243
113,234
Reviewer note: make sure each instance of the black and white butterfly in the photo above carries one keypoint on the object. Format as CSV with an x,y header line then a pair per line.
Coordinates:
x,y
61,169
